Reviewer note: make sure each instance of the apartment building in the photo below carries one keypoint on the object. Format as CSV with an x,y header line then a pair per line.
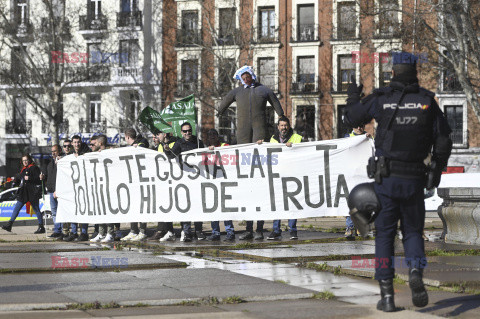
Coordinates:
x,y
105,66
306,51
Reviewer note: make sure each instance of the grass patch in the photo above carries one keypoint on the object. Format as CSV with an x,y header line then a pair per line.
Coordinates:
x,y
92,305
281,281
324,295
398,280
337,270
441,252
244,246
233,300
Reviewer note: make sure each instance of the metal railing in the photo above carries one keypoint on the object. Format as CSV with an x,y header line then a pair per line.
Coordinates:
x,y
189,37
62,127
129,19
304,33
229,39
457,136
305,83
95,127
184,89
92,22
18,127
451,83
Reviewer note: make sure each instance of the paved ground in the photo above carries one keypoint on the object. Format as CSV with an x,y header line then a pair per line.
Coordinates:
x,y
223,280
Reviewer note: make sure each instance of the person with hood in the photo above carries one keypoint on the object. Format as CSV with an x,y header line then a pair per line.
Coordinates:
x,y
251,99
136,140
411,126
29,192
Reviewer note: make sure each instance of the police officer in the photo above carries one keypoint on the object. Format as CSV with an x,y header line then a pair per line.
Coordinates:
x,y
410,126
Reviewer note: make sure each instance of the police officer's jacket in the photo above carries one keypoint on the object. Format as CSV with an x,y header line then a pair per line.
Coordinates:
x,y
290,137
407,130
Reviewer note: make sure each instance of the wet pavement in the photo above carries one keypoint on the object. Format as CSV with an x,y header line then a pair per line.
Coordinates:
x,y
264,275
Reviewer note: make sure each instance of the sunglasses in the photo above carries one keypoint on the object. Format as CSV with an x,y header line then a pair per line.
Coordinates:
x,y
187,131
67,146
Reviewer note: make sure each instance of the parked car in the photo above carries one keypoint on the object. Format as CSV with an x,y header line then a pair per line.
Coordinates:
x,y
7,202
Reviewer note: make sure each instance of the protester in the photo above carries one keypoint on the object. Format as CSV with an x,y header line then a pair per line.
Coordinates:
x,y
106,233
214,141
79,148
187,143
29,192
51,178
136,140
165,230
251,98
284,134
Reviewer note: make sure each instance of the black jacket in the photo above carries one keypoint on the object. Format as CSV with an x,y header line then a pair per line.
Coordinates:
x,y
51,176
141,141
29,189
84,149
182,146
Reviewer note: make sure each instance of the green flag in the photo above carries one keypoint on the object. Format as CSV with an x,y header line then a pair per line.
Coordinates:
x,y
154,121
180,112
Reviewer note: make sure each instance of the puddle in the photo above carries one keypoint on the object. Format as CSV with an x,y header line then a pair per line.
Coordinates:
x,y
345,288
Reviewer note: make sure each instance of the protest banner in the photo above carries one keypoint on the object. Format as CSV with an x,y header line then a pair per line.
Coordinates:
x,y
242,182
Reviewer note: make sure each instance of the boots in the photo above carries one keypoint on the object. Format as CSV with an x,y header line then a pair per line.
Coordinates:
x,y
419,294
386,304
8,226
40,230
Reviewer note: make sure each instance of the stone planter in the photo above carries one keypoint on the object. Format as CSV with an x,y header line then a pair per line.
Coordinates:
x,y
460,214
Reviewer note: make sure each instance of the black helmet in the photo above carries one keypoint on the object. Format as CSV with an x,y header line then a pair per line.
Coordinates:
x,y
364,207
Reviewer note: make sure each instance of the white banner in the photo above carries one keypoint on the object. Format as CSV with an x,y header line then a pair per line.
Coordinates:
x,y
242,182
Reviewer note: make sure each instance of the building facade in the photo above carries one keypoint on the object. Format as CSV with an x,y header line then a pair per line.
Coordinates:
x,y
105,70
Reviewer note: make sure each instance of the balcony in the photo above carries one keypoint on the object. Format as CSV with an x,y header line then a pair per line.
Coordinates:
x,y
305,84
86,126
22,28
61,28
18,127
451,83
91,25
345,33
305,33
184,89
129,19
62,127
128,71
231,38
187,38
96,73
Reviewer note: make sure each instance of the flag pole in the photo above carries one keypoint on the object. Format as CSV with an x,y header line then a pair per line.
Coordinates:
x,y
196,127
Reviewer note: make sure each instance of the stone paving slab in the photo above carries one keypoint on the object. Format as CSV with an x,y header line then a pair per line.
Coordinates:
x,y
16,247
138,285
306,252
440,271
83,260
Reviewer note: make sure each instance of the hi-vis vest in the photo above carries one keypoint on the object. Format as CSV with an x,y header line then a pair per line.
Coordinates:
x,y
160,147
223,144
295,138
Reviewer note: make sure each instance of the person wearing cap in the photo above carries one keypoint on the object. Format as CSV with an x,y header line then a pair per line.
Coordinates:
x,y
410,126
251,98
213,141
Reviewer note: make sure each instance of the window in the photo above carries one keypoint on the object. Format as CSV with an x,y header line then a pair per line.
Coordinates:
x,y
227,125
342,128
306,73
189,32
267,24
346,20
129,6
129,53
134,105
226,67
454,115
305,122
385,64
20,112
306,23
95,109
189,76
388,17
450,79
17,67
21,12
346,69
226,24
95,9
266,72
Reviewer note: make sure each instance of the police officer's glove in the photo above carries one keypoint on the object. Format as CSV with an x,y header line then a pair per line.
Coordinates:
x,y
354,92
